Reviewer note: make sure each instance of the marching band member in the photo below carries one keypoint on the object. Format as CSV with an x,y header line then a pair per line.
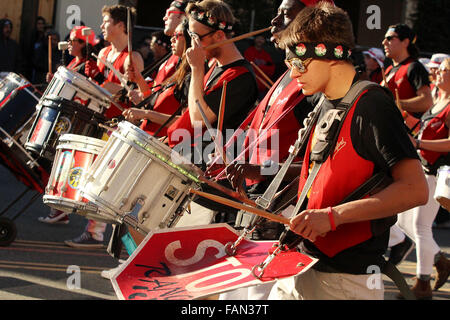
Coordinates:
x,y
77,48
173,91
211,22
433,144
114,28
407,75
341,236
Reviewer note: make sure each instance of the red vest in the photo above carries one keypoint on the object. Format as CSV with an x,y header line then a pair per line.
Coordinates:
x,y
286,129
118,64
73,64
400,82
166,70
342,173
165,103
435,129
184,122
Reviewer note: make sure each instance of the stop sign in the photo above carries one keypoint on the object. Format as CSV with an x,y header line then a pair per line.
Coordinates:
x,y
189,263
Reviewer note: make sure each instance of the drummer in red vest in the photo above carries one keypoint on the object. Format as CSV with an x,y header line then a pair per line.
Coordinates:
x,y
348,238
407,75
114,28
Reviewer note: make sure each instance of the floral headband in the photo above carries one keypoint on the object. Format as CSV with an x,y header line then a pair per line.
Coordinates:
x,y
321,50
179,5
204,18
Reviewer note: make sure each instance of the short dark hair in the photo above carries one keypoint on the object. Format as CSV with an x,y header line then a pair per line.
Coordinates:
x,y
119,13
321,23
403,32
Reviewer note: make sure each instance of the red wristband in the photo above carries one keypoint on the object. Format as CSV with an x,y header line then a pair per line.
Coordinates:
x,y
331,218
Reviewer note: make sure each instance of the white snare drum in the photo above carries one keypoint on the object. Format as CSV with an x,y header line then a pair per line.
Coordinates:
x,y
442,192
74,155
140,181
73,86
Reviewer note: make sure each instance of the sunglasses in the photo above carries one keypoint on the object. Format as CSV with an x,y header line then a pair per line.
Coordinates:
x,y
193,34
298,64
77,40
389,38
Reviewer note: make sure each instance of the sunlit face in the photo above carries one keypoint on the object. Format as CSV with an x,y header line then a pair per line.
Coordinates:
x,y
171,20
178,42
393,46
110,29
206,37
287,11
312,77
443,77
75,46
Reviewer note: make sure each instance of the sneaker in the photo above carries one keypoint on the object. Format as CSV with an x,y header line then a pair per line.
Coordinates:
x,y
85,240
400,251
55,217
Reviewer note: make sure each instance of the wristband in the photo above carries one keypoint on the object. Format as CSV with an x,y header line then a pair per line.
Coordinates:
x,y
331,218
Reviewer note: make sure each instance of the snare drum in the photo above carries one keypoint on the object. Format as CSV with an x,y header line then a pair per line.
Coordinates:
x,y
18,100
74,155
56,117
442,192
140,181
72,86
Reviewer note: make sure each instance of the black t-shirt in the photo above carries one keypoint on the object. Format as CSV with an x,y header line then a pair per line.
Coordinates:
x,y
241,94
417,74
378,135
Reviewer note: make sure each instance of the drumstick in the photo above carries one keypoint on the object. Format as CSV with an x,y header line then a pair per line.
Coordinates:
x,y
130,44
384,83
243,36
87,32
50,54
221,113
262,73
240,206
262,81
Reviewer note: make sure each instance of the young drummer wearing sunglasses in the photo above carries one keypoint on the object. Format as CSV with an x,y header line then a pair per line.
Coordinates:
x,y
371,140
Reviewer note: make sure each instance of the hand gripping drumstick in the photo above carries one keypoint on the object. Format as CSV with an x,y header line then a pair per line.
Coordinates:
x,y
242,36
237,205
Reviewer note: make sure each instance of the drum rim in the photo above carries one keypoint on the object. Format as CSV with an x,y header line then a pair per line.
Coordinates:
x,y
78,76
78,138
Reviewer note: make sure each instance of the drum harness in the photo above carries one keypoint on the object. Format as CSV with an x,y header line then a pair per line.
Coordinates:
x,y
326,134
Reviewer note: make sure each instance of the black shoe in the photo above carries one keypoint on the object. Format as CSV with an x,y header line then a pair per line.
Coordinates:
x,y
400,251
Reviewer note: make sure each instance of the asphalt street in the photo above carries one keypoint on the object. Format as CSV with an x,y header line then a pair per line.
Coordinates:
x,y
38,265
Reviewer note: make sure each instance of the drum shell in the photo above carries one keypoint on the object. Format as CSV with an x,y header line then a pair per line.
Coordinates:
x,y
74,155
125,173
442,192
18,100
73,86
58,116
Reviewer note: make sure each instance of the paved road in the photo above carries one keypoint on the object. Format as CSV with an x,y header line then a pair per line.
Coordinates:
x,y
37,264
